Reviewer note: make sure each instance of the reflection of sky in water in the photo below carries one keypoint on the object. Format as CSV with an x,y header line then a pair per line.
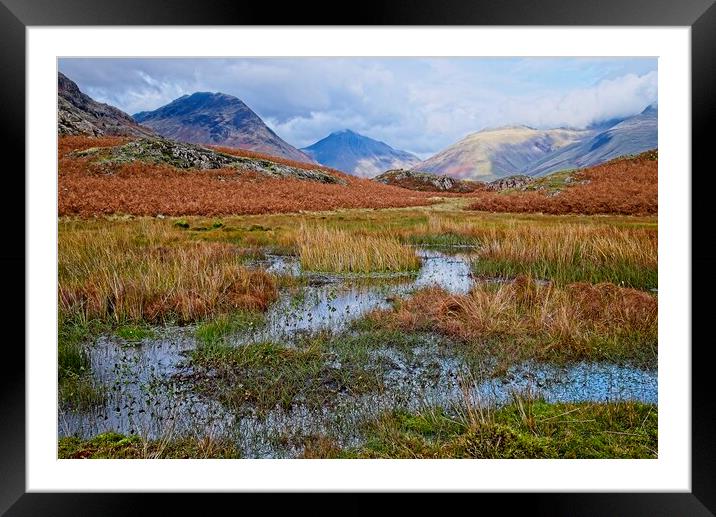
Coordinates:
x,y
147,395
333,305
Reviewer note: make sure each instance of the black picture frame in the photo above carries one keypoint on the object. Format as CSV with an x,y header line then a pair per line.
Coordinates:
x,y
700,15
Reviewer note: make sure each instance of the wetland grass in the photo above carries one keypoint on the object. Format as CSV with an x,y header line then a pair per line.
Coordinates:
x,y
265,375
340,251
524,428
525,319
571,253
144,273
118,446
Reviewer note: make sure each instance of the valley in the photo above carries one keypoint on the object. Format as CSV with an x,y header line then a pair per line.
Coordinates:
x,y
225,294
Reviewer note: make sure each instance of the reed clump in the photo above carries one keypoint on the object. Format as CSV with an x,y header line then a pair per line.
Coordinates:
x,y
340,251
528,319
143,273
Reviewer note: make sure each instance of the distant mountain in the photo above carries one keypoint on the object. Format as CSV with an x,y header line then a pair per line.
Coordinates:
x,y
495,153
217,119
357,154
79,114
632,135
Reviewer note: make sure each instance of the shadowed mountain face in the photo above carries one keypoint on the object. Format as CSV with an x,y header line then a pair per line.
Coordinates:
x,y
495,153
632,135
79,114
217,119
359,155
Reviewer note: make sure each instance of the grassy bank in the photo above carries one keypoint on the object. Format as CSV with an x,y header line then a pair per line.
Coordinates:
x,y
146,272
524,428
118,446
526,319
571,253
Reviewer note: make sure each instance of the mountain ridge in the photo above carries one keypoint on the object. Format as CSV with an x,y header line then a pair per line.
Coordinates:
x,y
80,114
497,152
215,118
632,135
493,153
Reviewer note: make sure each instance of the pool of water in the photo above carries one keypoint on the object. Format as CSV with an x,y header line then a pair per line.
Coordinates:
x,y
149,392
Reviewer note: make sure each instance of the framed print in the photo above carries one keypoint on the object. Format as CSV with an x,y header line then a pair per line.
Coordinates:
x,y
441,250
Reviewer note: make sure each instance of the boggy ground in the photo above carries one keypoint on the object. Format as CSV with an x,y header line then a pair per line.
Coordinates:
x,y
555,290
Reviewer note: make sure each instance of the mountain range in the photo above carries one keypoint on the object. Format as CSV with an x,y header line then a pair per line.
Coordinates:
x,y
357,154
493,153
217,119
223,120
632,135
496,153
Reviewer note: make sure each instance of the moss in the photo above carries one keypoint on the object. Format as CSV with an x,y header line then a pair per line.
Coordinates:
x,y
522,429
134,333
264,375
220,328
115,446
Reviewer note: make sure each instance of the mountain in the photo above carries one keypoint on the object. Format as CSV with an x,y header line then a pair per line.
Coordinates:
x,y
494,153
79,114
632,135
357,154
217,119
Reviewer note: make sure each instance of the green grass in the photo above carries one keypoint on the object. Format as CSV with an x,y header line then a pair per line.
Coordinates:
x,y
622,273
134,333
522,429
265,375
76,389
445,240
551,183
216,330
118,446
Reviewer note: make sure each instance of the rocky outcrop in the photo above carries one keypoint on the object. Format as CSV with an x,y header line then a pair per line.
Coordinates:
x,y
79,114
426,182
188,156
510,182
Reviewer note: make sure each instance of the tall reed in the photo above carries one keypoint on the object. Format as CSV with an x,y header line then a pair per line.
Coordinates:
x,y
142,273
340,251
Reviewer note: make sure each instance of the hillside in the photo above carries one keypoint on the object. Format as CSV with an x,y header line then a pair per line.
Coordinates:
x,y
359,155
630,136
217,119
626,185
494,153
79,114
115,175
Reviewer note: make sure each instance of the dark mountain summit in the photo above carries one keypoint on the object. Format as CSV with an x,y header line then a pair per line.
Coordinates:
x,y
354,153
217,119
79,114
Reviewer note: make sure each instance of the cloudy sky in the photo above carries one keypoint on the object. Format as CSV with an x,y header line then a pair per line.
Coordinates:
x,y
420,105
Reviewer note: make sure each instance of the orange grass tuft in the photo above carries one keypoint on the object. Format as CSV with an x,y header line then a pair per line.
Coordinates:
x,y
572,320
